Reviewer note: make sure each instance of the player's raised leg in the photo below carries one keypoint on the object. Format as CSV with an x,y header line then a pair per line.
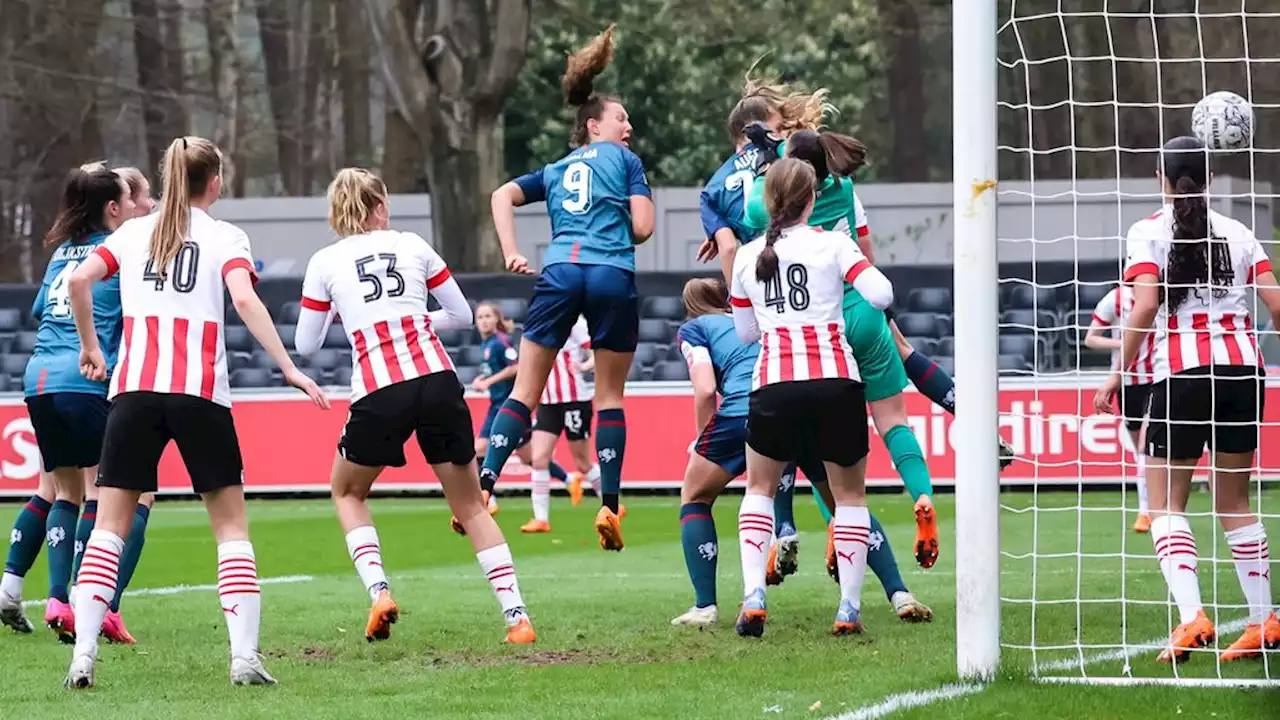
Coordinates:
x,y
25,540
351,484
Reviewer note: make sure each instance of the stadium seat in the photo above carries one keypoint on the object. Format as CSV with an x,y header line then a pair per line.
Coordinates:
x,y
1015,365
514,309
10,320
655,331
14,366
931,300
262,361
925,345
921,324
1023,296
1021,345
1025,321
664,307
287,334
336,338
647,354
470,355
452,338
24,343
1080,327
238,360
669,370
325,360
7,386
946,346
467,374
1088,295
238,338
251,378
675,353
637,373
342,376
946,362
288,313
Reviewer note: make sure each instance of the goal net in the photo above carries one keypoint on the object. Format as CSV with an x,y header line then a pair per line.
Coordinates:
x,y
1082,96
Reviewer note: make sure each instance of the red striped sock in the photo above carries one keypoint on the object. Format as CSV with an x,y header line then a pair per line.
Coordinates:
x,y
240,595
1176,551
500,570
99,574
755,535
366,553
851,530
1253,567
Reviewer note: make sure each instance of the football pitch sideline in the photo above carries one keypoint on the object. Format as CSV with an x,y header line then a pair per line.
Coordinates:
x,y
605,646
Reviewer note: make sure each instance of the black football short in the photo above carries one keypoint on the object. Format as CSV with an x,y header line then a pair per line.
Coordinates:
x,y
431,407
69,428
819,419
571,418
140,426
1134,402
1219,407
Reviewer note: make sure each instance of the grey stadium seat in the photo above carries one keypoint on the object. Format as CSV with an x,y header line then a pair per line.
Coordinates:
x,y
466,374
646,354
342,376
1022,295
946,346
471,355
670,370
24,343
925,345
1015,365
238,338
663,306
288,313
336,338
921,324
934,300
251,378
655,331
1020,345
325,360
1089,295
514,309
10,320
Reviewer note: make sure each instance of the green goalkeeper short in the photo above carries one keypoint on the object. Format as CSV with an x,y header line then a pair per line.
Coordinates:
x,y
873,347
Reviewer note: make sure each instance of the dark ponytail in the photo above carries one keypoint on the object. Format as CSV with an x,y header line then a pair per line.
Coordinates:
x,y
829,153
1197,257
578,84
85,195
788,189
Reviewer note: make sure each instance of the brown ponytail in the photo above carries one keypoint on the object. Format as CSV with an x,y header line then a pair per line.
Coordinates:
x,y
788,191
85,196
189,165
705,296
578,83
844,154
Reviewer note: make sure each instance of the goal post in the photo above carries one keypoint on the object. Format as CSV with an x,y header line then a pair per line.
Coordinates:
x,y
976,309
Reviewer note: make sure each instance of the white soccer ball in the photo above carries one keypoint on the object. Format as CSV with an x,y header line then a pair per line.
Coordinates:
x,y
1223,121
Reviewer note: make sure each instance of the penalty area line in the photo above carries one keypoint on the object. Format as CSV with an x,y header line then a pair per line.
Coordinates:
x,y
911,699
180,589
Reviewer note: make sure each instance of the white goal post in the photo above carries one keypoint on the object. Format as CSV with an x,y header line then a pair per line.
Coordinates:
x,y
1052,581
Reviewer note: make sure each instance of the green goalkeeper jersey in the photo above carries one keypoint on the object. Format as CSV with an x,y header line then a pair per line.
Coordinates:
x,y
833,209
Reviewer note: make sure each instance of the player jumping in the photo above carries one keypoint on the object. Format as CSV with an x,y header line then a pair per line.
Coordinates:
x,y
403,384
719,362
170,384
1191,270
600,208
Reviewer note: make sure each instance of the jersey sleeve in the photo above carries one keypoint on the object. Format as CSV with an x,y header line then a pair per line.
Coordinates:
x,y
852,262
637,183
533,187
239,254
1259,261
712,220
755,215
437,270
737,289
1105,312
315,285
860,224
1140,257
109,250
693,343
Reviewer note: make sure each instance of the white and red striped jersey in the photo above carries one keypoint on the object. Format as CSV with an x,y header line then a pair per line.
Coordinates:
x,y
1113,311
863,229
378,283
173,322
799,310
565,384
1206,330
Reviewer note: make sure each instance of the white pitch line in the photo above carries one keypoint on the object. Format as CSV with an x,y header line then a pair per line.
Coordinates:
x,y
179,589
910,699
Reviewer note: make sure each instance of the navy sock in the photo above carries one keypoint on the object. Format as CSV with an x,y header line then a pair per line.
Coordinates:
x,y
881,561
558,472
698,538
83,529
932,381
60,535
27,536
611,445
508,427
132,552
784,521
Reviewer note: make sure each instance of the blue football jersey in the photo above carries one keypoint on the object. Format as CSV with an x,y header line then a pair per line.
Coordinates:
x,y
734,361
55,365
722,203
588,194
499,354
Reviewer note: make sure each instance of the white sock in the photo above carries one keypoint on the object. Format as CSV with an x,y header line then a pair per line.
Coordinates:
x,y
1176,551
11,585
593,479
1143,507
501,571
542,495
1253,567
852,531
99,572
240,595
362,546
755,533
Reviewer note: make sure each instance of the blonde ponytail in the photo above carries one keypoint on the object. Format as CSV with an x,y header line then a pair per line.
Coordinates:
x,y
353,196
189,165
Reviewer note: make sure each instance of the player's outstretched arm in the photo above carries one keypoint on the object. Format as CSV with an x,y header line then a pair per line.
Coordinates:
x,y
313,326
502,205
92,363
455,311
255,316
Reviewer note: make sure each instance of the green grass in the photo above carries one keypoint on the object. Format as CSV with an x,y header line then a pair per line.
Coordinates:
x,y
605,648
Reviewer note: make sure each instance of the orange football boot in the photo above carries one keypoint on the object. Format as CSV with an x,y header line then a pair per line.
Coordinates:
x,y
1256,637
609,528
1186,637
926,534
832,569
382,616
1142,525
521,633
490,504
574,486
536,526
771,574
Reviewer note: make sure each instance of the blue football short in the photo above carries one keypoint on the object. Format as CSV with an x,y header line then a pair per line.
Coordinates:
x,y
604,294
69,428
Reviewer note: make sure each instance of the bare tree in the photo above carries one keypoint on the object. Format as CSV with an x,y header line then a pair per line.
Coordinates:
x,y
225,77
353,79
316,66
275,33
900,23
451,89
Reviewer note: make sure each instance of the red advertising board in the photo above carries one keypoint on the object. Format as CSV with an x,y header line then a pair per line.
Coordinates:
x,y
288,444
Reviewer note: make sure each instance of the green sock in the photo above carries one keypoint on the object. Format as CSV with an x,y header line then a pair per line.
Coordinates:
x,y
908,458
60,535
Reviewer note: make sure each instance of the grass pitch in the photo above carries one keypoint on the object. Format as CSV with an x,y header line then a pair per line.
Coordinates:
x,y
605,647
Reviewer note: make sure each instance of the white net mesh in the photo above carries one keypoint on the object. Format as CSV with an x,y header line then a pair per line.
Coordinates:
x,y
1089,92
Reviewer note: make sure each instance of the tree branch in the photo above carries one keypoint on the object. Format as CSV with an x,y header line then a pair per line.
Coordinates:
x,y
399,61
510,48
443,66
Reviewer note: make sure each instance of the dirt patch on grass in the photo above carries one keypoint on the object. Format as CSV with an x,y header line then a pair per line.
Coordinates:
x,y
316,653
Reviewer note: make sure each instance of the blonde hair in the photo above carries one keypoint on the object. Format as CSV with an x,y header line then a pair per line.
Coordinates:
x,y
189,165
353,196
132,175
799,109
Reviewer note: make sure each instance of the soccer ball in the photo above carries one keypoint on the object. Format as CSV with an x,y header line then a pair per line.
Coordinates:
x,y
1223,121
